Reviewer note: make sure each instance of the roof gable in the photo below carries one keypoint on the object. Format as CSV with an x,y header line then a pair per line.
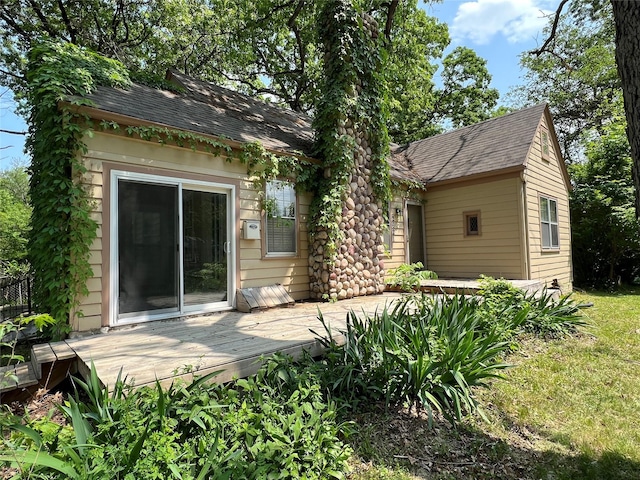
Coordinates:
x,y
493,145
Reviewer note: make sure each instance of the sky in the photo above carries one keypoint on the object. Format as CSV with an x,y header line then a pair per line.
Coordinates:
x,y
498,30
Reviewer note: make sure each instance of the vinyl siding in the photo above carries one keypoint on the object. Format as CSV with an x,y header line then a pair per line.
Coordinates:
x,y
108,151
395,255
497,251
546,178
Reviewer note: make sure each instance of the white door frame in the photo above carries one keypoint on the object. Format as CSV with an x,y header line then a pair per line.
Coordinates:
x,y
230,247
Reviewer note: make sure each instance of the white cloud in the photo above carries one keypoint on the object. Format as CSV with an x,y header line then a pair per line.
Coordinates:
x,y
516,20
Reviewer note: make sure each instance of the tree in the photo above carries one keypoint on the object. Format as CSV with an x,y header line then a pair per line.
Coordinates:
x,y
575,72
626,18
266,48
15,214
604,228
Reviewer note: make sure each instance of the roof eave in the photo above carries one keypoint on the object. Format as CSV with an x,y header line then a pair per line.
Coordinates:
x,y
476,176
99,114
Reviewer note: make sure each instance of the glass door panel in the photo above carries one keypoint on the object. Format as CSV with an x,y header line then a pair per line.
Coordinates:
x,y
147,248
204,247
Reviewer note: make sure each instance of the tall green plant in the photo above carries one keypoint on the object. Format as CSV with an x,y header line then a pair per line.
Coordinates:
x,y
423,352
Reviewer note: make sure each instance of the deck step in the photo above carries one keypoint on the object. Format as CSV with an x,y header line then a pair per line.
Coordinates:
x,y
49,365
26,377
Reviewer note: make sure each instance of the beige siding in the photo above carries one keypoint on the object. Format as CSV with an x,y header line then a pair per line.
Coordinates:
x,y
111,152
546,178
497,251
396,252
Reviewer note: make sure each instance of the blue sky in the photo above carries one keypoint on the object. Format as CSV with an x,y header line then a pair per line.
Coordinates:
x,y
498,30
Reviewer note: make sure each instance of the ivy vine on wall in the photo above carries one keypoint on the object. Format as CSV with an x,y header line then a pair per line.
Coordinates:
x,y
60,76
62,227
352,58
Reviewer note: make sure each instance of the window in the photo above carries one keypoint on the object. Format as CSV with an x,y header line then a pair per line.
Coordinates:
x,y
549,223
544,140
280,207
471,223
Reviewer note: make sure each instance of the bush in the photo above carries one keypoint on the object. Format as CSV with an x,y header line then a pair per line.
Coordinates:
x,y
425,352
407,277
512,311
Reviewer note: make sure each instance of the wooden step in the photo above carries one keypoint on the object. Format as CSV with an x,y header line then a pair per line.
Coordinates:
x,y
260,298
24,372
50,363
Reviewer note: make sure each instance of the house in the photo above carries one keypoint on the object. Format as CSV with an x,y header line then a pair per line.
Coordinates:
x,y
181,229
496,200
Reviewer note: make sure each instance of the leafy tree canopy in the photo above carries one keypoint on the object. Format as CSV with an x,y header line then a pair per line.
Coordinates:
x,y
260,47
604,228
15,213
576,74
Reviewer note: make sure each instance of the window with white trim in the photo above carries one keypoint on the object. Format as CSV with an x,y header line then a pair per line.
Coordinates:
x,y
280,224
549,223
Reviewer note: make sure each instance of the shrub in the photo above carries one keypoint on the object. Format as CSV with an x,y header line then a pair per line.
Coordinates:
x,y
407,277
253,428
512,311
426,353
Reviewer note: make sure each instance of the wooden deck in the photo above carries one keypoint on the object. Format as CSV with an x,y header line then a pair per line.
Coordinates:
x,y
229,341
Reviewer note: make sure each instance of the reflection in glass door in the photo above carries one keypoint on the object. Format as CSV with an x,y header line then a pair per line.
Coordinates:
x,y
172,247
204,247
147,241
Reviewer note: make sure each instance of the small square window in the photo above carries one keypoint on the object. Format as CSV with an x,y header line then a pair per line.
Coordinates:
x,y
471,224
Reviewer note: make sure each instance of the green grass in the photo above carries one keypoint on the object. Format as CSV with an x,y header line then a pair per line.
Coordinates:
x,y
569,409
582,394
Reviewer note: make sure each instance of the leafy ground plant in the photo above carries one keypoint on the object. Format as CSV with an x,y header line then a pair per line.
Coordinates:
x,y
9,331
247,429
561,412
407,277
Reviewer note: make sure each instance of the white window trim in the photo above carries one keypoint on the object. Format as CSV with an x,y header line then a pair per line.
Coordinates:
x,y
267,253
550,223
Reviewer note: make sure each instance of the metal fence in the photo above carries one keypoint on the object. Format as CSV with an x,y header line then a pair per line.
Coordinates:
x,y
15,297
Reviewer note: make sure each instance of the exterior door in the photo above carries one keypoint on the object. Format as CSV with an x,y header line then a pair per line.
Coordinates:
x,y
173,247
415,234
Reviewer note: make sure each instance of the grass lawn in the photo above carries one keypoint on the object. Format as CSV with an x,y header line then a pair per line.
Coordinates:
x,y
569,409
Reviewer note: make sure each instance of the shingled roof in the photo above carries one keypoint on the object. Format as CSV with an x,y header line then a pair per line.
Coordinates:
x,y
491,146
212,110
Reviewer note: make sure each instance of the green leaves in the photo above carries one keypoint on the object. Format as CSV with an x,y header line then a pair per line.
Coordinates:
x,y
247,429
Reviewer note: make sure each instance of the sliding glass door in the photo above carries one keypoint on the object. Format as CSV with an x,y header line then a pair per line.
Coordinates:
x,y
204,250
172,247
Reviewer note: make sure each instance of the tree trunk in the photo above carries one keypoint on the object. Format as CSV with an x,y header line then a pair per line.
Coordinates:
x,y
626,14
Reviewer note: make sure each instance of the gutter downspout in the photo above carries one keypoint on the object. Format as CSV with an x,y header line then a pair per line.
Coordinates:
x,y
525,226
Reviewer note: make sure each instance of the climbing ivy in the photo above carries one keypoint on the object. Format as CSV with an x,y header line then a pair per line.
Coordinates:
x,y
353,99
62,227
263,166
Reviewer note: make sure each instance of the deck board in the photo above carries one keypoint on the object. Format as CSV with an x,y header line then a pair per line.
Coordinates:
x,y
231,341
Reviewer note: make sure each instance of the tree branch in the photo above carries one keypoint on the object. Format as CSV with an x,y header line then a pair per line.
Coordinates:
x,y
67,22
12,132
391,11
552,34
